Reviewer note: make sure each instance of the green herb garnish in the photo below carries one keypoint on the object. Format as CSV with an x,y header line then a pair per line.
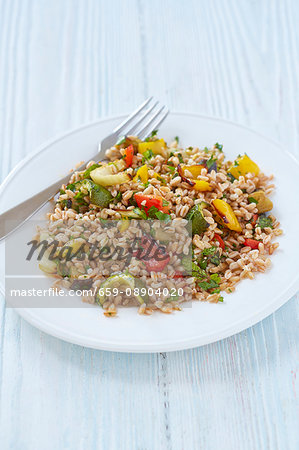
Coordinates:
x,y
264,222
153,134
118,197
171,168
86,174
155,213
121,140
140,213
147,155
180,157
252,200
219,146
212,283
210,162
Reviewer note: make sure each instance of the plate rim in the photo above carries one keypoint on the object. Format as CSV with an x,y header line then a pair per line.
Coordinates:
x,y
188,343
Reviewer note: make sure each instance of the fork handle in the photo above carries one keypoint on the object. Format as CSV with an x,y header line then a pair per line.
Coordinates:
x,y
16,216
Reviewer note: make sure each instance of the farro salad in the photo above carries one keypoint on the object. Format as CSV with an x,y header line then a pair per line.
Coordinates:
x,y
151,190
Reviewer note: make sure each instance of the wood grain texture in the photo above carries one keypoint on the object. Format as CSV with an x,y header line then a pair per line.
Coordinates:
x,y
68,62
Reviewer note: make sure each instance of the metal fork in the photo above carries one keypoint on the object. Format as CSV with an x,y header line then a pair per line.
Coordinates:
x,y
146,118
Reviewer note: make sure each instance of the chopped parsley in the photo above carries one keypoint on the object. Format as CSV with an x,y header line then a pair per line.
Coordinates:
x,y
219,146
147,155
211,163
264,222
153,134
155,213
209,255
79,197
86,174
140,213
118,197
252,200
163,216
180,157
171,168
197,272
71,187
212,283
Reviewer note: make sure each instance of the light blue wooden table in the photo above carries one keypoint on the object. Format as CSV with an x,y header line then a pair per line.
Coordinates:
x,y
67,62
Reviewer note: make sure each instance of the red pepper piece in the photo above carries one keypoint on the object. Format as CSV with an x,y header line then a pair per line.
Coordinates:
x,y
150,200
129,153
220,240
252,243
254,219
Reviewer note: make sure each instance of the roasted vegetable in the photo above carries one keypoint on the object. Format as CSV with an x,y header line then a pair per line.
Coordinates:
x,y
48,265
123,225
141,174
199,224
263,203
125,280
128,156
90,169
198,185
109,180
254,219
252,243
146,202
202,186
226,215
128,214
220,240
99,196
194,170
242,166
111,168
158,147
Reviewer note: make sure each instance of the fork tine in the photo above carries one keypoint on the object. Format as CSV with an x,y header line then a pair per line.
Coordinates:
x,y
144,116
153,123
120,127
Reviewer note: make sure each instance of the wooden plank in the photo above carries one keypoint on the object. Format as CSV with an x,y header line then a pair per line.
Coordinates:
x,y
65,63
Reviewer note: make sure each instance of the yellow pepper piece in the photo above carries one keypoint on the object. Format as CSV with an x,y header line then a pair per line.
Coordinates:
x,y
201,186
124,225
195,169
141,174
226,215
158,177
157,147
242,166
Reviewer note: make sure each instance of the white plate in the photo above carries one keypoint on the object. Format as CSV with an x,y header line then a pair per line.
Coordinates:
x,y
202,323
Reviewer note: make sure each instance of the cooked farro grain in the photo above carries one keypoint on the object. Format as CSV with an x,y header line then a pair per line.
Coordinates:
x,y
231,233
